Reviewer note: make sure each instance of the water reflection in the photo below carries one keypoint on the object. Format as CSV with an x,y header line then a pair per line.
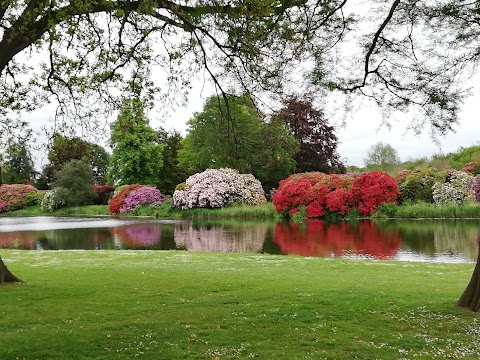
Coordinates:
x,y
316,238
426,240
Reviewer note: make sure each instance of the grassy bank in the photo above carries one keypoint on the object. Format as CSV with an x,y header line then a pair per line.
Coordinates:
x,y
178,305
263,211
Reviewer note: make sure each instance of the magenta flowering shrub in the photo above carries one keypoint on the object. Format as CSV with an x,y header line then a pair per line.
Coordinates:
x,y
15,196
216,188
142,196
476,188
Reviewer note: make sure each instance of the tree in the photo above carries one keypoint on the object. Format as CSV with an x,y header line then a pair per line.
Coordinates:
x,y
76,176
137,153
64,149
237,138
381,156
171,173
19,167
318,142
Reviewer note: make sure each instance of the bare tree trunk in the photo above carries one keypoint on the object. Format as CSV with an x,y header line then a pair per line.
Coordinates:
x,y
6,276
471,296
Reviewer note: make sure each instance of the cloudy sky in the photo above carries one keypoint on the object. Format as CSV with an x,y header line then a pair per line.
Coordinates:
x,y
361,131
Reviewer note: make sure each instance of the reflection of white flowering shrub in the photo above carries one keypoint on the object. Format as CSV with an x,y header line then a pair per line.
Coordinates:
x,y
54,199
215,188
456,190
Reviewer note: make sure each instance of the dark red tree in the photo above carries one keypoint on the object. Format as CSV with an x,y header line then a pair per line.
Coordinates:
x,y
318,142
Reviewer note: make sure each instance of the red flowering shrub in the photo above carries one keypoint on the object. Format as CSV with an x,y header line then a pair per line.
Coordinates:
x,y
340,201
102,194
15,196
472,167
118,199
373,189
309,190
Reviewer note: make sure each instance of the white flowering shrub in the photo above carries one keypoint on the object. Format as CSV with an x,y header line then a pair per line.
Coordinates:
x,y
216,188
54,199
456,190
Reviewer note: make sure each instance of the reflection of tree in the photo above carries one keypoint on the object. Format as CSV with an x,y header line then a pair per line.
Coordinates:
x,y
18,240
65,239
317,238
248,239
139,235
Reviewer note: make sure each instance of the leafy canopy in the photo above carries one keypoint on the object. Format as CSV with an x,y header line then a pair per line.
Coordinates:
x,y
137,154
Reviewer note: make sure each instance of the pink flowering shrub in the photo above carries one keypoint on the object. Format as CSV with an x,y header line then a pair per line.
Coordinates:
x,y
476,188
142,196
15,196
216,188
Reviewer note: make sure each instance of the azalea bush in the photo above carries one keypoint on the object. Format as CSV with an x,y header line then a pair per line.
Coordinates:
x,y
216,188
119,196
373,189
310,190
476,188
54,199
457,188
16,196
143,196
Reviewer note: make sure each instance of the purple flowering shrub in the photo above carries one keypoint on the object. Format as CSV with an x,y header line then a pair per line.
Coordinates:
x,y
216,188
476,188
143,196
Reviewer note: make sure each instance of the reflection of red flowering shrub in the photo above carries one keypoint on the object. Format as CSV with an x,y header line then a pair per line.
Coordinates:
x,y
139,235
373,189
17,240
309,190
118,200
323,240
340,201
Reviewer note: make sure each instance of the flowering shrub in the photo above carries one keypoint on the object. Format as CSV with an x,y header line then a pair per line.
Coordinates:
x,y
15,196
102,194
476,188
457,189
142,196
215,188
309,190
373,189
472,167
417,185
119,196
54,199
340,201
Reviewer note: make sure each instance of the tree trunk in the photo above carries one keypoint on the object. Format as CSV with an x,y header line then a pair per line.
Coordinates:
x,y
471,296
6,276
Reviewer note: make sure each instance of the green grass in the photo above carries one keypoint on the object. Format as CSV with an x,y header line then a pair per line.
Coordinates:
x,y
179,305
431,211
80,210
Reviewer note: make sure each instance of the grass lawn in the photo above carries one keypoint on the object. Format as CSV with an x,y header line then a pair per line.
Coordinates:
x,y
180,305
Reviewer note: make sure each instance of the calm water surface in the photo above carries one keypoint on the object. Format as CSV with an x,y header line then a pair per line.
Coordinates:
x,y
413,240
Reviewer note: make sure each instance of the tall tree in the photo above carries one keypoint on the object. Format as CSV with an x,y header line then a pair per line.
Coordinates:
x,y
381,156
233,134
171,173
137,153
19,166
318,142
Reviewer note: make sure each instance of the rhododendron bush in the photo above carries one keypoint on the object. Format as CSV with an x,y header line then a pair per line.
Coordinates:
x,y
311,190
15,196
339,194
128,197
457,188
373,189
216,188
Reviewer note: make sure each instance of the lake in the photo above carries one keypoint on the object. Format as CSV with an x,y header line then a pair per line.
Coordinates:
x,y
405,240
